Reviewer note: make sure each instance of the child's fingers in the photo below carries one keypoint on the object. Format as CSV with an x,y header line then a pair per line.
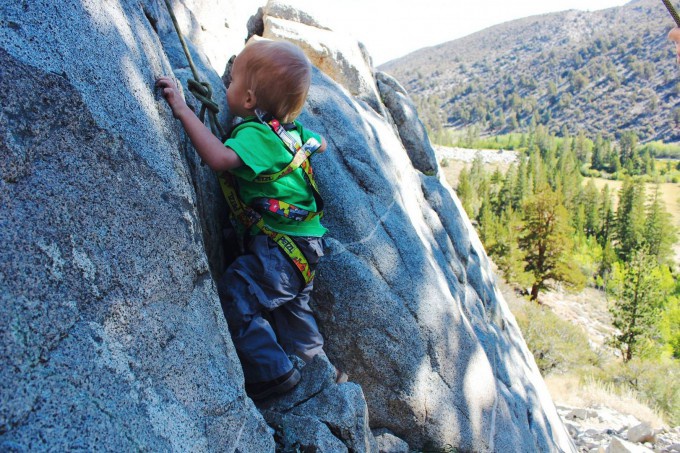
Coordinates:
x,y
165,82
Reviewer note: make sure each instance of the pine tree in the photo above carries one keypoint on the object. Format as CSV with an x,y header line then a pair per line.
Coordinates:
x,y
638,302
521,186
465,191
606,263
589,200
569,177
597,159
546,241
630,218
583,147
486,223
607,218
659,232
505,194
628,146
537,171
505,249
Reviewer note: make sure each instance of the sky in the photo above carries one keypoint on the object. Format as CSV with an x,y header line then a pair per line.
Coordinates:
x,y
390,29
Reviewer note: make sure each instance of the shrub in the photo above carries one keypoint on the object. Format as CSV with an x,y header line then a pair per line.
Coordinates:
x,y
557,345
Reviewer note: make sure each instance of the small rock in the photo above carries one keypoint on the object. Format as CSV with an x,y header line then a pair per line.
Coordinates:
x,y
581,414
318,414
621,446
573,430
388,442
641,433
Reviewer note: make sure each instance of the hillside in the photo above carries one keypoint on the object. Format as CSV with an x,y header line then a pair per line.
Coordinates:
x,y
601,72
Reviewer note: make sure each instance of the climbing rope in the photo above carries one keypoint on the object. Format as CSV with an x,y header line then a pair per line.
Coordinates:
x,y
201,90
669,7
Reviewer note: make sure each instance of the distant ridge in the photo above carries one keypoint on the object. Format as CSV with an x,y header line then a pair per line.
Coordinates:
x,y
601,72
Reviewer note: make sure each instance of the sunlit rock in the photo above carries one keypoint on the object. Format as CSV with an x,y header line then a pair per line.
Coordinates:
x,y
340,57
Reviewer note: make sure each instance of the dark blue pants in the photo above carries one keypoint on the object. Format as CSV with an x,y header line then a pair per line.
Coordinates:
x,y
267,308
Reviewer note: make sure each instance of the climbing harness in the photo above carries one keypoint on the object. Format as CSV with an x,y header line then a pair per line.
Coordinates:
x,y
245,215
301,155
249,216
674,13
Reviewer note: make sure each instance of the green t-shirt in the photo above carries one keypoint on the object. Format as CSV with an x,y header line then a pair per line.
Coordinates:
x,y
262,151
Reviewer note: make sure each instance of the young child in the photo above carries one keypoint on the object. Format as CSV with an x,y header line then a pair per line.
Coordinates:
x,y
264,296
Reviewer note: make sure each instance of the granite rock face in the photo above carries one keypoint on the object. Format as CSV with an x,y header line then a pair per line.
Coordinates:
x,y
112,333
407,301
112,336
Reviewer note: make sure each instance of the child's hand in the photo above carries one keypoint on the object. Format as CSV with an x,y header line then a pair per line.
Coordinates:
x,y
323,146
172,95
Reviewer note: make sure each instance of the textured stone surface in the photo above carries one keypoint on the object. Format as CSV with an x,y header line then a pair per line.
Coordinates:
x,y
407,301
621,446
111,330
112,337
409,127
389,443
641,433
603,424
320,413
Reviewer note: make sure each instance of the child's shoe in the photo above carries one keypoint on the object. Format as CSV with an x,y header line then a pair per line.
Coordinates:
x,y
261,390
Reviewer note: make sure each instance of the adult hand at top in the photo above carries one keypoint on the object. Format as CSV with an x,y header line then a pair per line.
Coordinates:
x,y
674,35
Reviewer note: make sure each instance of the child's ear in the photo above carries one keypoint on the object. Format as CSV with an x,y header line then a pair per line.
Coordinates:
x,y
250,101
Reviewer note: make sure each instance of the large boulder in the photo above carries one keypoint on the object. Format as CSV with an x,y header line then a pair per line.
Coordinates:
x,y
411,130
407,301
112,334
342,58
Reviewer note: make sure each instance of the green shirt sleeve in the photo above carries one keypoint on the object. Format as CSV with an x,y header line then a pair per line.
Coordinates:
x,y
251,142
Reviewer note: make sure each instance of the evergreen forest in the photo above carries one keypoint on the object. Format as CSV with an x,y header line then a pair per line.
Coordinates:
x,y
546,224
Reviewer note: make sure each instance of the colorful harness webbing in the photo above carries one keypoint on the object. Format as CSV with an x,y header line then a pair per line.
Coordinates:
x,y
301,154
249,217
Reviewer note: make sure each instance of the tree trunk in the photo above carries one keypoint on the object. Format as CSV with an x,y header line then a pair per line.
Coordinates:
x,y
534,292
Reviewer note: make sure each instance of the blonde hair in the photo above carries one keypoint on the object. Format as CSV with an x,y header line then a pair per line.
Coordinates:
x,y
279,74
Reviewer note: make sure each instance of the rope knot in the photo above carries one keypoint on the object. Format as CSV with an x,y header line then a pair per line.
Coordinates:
x,y
203,92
